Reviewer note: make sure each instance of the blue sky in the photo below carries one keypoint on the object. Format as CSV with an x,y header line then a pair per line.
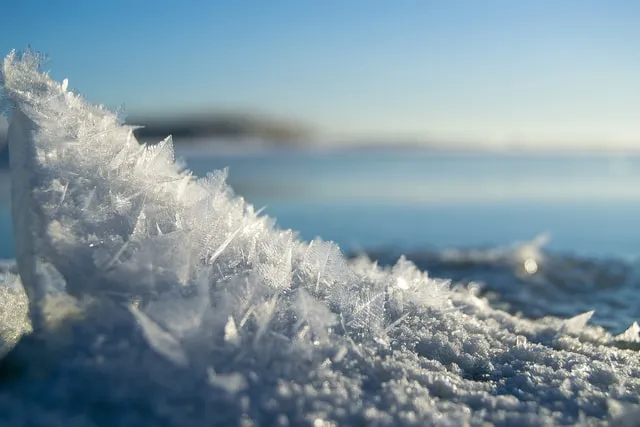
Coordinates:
x,y
531,73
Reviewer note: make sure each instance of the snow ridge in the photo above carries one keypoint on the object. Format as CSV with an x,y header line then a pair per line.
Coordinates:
x,y
175,302
115,219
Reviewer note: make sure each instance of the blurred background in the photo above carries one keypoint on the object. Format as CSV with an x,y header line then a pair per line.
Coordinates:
x,y
446,130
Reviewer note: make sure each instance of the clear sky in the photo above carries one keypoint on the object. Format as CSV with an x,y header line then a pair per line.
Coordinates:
x,y
538,73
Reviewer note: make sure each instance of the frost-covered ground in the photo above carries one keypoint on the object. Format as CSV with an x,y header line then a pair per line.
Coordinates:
x,y
161,299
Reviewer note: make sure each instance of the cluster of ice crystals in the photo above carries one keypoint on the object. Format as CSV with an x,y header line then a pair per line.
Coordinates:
x,y
178,304
123,221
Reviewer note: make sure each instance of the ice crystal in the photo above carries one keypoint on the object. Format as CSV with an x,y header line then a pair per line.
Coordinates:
x,y
159,298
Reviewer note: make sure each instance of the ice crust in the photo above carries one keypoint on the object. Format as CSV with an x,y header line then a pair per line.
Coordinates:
x,y
162,299
13,307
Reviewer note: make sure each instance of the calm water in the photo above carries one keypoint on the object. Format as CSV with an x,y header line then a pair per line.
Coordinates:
x,y
388,203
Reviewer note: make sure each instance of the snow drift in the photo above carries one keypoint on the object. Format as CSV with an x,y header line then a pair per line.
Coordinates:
x,y
160,299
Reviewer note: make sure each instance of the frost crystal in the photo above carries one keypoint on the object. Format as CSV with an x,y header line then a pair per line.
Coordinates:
x,y
116,219
142,278
632,334
577,324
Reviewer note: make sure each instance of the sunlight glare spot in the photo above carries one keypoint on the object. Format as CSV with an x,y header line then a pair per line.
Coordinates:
x,y
530,266
402,283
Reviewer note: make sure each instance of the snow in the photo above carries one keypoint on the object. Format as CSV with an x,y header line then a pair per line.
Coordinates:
x,y
160,299
632,334
13,308
578,323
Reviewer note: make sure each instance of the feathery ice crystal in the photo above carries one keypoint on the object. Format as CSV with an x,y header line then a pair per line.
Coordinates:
x,y
167,300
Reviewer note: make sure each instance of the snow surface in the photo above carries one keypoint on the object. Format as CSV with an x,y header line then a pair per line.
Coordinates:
x,y
162,299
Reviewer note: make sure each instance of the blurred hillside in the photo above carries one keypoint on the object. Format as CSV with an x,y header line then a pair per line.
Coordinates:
x,y
226,126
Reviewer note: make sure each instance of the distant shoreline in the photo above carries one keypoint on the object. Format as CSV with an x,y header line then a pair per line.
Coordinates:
x,y
223,126
238,134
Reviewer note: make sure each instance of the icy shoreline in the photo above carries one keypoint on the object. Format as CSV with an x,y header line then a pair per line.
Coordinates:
x,y
159,299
